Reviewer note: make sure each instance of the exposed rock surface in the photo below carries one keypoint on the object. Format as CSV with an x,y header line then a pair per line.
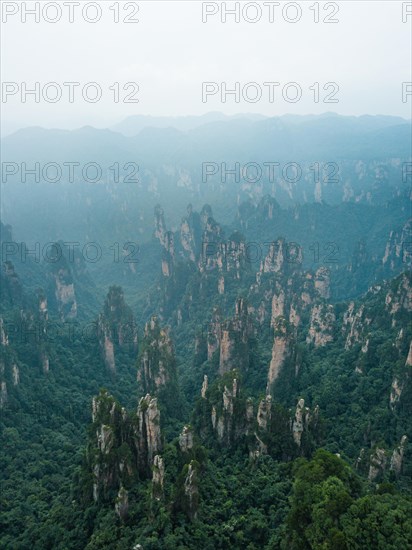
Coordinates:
x,y
191,491
300,422
322,282
123,447
280,351
158,477
116,326
122,503
234,344
186,439
322,322
377,465
156,362
397,456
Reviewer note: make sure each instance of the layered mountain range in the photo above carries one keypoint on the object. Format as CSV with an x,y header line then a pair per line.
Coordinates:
x,y
246,383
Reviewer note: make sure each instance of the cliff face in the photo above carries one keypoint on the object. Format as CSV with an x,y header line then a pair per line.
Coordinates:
x,y
382,460
398,251
11,290
234,343
200,247
191,490
231,338
399,299
68,279
116,327
9,370
158,477
322,282
190,234
275,258
384,309
322,321
304,421
65,294
353,325
281,350
220,412
214,334
226,416
123,447
160,226
168,255
396,462
166,240
148,431
156,372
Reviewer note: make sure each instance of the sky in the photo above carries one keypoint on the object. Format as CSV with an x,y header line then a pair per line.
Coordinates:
x,y
361,61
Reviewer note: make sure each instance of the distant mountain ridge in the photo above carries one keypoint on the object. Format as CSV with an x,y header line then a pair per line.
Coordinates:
x,y
192,138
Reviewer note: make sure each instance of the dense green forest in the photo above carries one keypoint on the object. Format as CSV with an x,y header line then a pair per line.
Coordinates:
x,y
246,383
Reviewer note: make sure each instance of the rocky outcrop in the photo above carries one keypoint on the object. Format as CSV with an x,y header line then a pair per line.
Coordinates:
x,y
9,371
156,361
322,282
123,447
122,504
16,375
44,361
322,320
264,413
398,251
278,304
400,298
160,226
235,335
158,477
221,414
229,419
353,324
396,392
190,234
281,350
186,439
397,456
204,386
166,240
212,255
300,422
3,394
65,295
148,434
222,417
4,339
377,465
43,308
408,362
168,255
191,490
214,334
116,327
275,258
381,460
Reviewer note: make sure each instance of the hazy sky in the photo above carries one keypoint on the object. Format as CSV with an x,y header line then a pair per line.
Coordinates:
x,y
170,52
